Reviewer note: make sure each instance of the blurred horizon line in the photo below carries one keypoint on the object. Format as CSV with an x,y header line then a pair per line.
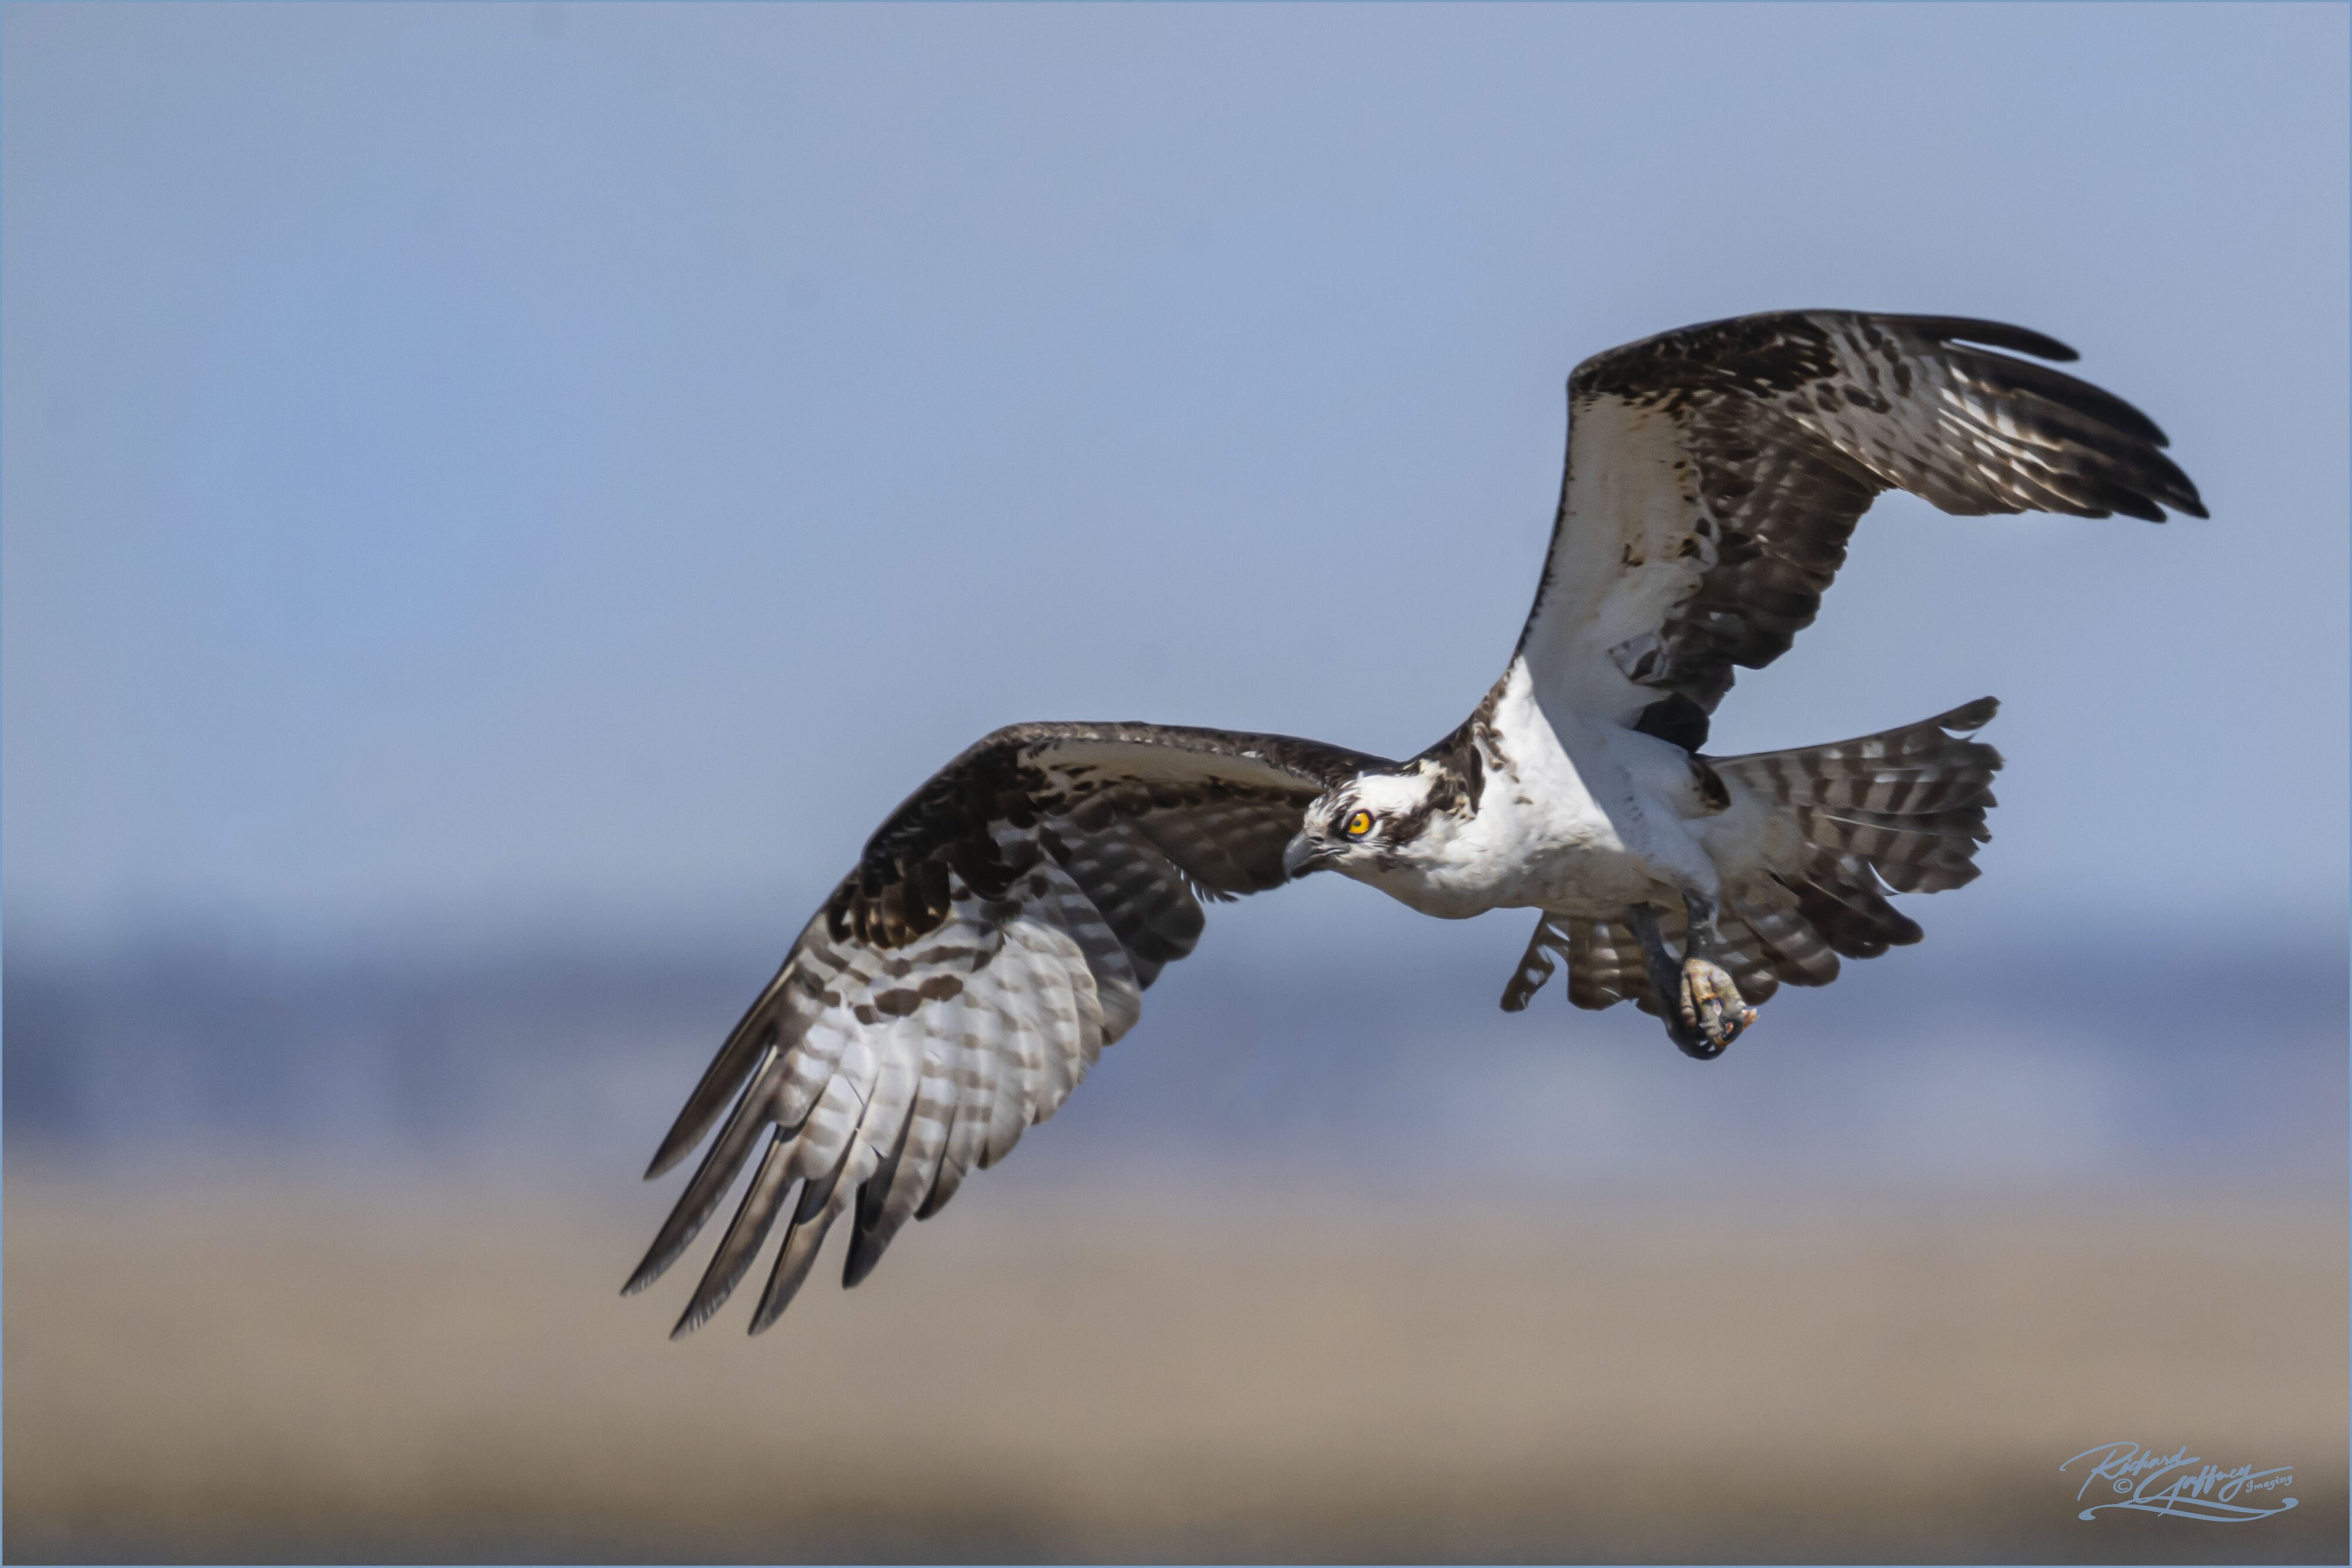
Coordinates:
x,y
1991,1059
742,925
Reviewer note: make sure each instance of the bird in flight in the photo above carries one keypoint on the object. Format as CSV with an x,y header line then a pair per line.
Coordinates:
x,y
1004,922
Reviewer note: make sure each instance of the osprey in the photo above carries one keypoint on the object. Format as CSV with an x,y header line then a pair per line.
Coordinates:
x,y
1004,922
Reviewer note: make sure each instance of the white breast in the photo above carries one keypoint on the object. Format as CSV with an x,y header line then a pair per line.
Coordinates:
x,y
1579,816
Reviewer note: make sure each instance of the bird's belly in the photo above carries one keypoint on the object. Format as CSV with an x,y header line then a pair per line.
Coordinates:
x,y
1584,820
1591,878
1561,853
1575,834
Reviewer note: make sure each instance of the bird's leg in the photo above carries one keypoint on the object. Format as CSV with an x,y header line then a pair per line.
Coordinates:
x,y
1665,982
1696,995
1710,1002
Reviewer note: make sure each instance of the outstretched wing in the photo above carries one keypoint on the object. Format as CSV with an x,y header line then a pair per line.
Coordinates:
x,y
1715,473
998,932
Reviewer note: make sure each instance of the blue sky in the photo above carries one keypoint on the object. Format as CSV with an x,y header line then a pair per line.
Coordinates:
x,y
504,469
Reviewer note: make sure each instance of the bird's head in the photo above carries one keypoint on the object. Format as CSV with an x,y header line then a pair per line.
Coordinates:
x,y
1376,823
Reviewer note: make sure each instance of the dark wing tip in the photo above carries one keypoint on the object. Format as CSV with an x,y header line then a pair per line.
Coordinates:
x,y
811,1221
2138,480
651,1267
1991,334
738,1058
1968,717
865,1252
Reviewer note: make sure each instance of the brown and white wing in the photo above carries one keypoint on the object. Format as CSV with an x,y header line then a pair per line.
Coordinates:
x,y
1715,473
999,931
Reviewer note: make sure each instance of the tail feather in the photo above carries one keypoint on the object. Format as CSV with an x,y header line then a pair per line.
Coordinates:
x,y
1852,916
1605,965
1791,945
1899,812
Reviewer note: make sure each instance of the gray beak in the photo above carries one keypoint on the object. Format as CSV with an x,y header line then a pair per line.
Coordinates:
x,y
1303,854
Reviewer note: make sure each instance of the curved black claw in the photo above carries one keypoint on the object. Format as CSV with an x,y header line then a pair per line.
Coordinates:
x,y
1691,1043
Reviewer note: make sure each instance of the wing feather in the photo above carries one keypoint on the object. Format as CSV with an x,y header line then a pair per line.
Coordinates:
x,y
746,1234
975,1093
1715,475
998,933
912,1174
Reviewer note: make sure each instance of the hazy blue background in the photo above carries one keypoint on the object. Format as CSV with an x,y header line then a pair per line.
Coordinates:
x,y
471,468
496,501
499,501
495,495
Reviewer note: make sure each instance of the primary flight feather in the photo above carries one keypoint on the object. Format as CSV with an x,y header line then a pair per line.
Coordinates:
x,y
1002,924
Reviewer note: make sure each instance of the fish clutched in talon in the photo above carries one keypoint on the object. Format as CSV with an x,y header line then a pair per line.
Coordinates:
x,y
1711,1006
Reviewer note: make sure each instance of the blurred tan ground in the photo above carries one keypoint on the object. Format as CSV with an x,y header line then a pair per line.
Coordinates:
x,y
238,1372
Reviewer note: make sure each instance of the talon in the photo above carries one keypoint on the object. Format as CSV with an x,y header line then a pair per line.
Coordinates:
x,y
1711,1004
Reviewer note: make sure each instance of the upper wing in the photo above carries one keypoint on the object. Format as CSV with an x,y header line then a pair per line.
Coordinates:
x,y
1714,473
998,932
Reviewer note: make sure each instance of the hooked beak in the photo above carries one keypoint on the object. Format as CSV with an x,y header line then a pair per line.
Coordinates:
x,y
1304,854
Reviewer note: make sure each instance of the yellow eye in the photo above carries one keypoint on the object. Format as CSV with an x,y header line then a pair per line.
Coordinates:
x,y
1358,824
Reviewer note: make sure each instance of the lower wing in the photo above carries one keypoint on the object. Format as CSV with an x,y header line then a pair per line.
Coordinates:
x,y
999,931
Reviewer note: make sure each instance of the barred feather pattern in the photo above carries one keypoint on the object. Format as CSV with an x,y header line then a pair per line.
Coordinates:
x,y
998,933
1715,473
1605,964
1902,811
1003,923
